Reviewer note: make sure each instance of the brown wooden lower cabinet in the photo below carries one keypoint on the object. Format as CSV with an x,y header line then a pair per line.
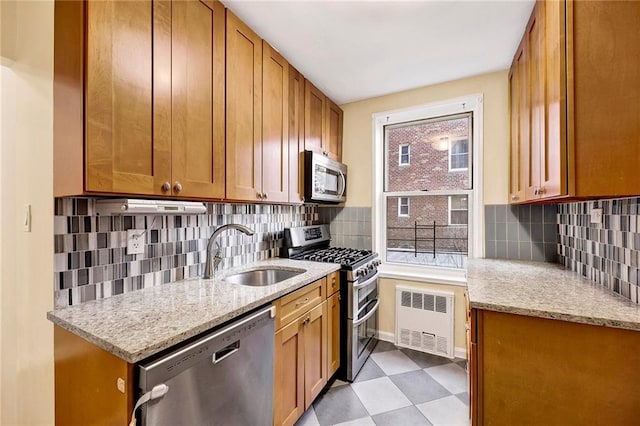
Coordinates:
x,y
333,339
300,364
535,371
92,386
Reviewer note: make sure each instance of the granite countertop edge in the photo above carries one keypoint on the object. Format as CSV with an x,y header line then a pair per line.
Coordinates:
x,y
72,318
552,291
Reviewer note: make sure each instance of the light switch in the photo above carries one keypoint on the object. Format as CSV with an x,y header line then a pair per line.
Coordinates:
x,y
596,215
26,218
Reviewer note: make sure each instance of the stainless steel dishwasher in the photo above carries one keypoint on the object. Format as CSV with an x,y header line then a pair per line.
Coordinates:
x,y
223,378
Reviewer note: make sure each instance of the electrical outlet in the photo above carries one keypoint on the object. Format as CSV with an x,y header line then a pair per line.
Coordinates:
x,y
135,241
596,215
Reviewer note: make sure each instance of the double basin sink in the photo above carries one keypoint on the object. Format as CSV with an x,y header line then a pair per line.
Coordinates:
x,y
260,277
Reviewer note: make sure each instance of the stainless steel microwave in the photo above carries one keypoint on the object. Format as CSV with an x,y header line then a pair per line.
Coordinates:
x,y
325,180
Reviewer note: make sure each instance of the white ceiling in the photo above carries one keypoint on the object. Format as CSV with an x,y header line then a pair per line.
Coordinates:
x,y
355,50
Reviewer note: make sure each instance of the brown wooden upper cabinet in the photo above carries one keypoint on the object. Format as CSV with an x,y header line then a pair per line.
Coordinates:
x,y
139,98
573,92
322,123
257,117
296,135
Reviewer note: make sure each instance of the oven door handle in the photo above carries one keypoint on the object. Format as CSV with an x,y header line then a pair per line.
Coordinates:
x,y
369,314
366,283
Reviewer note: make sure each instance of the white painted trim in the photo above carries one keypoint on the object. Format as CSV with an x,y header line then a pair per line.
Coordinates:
x,y
472,103
460,353
423,274
385,336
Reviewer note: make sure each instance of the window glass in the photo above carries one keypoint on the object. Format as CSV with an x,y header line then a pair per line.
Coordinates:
x,y
404,155
427,204
458,210
429,143
425,236
459,155
403,206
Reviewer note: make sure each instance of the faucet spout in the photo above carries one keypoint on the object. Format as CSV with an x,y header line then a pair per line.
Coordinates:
x,y
212,260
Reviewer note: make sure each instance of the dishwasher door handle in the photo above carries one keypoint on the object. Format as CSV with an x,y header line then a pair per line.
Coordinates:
x,y
225,352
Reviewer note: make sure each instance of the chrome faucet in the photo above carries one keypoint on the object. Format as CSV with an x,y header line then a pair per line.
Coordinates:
x,y
213,261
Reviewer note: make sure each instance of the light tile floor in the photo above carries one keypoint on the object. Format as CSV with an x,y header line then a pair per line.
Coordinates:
x,y
396,387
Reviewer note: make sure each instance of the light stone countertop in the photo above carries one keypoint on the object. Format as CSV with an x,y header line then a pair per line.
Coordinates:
x,y
136,325
546,290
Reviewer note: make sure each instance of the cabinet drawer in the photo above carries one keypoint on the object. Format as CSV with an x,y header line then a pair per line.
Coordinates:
x,y
291,306
333,283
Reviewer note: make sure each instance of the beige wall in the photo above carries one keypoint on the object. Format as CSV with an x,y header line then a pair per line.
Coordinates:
x,y
387,319
358,140
26,259
358,155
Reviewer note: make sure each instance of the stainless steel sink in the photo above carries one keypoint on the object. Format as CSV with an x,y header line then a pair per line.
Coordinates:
x,y
263,277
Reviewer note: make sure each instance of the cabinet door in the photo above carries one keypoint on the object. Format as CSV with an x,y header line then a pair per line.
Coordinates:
x,y
275,125
315,352
244,111
553,154
519,130
288,396
124,153
538,102
197,115
333,339
296,135
314,118
333,133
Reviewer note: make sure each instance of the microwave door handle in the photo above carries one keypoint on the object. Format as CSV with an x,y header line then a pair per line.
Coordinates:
x,y
344,183
369,314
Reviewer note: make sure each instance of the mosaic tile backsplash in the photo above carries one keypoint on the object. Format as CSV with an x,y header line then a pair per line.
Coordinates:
x,y
91,260
521,232
606,253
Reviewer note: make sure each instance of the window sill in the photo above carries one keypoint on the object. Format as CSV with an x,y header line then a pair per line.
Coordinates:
x,y
456,277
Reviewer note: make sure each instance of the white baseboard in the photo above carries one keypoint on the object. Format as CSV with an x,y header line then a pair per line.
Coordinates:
x,y
391,337
386,336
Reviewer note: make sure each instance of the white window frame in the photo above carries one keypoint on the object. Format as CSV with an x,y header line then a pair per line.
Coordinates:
x,y
400,207
451,142
400,163
457,210
472,103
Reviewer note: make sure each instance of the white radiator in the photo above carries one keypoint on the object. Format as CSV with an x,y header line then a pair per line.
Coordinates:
x,y
424,320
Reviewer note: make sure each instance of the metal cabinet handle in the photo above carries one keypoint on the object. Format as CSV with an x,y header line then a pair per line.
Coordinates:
x,y
166,187
177,187
302,302
514,198
306,321
264,195
542,190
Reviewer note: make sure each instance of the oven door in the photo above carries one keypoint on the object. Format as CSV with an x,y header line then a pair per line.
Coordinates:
x,y
360,293
362,333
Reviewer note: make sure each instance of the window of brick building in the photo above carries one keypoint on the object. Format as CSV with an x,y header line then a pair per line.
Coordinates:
x,y
403,206
437,233
404,152
459,155
458,210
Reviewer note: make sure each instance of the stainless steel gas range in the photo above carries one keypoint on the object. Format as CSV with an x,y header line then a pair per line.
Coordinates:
x,y
359,301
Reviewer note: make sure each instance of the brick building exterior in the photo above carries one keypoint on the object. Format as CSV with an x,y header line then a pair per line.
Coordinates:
x,y
428,155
